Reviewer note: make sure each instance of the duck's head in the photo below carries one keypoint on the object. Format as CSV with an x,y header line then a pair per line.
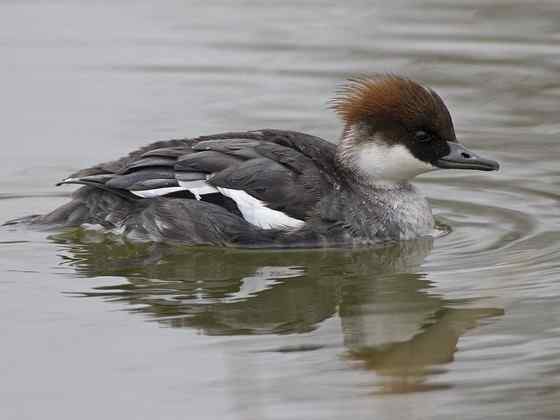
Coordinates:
x,y
396,129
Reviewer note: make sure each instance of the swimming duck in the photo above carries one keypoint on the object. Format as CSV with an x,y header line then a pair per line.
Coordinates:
x,y
275,188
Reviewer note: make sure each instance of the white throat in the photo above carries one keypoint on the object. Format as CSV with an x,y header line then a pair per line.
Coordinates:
x,y
381,163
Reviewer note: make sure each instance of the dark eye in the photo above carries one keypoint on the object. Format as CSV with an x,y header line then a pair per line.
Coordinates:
x,y
422,136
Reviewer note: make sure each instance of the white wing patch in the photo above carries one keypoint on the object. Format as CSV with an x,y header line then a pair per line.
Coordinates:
x,y
157,192
198,188
255,211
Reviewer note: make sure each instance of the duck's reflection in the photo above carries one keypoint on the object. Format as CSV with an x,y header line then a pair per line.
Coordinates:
x,y
406,364
393,321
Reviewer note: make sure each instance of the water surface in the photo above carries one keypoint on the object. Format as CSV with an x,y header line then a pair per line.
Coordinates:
x,y
465,326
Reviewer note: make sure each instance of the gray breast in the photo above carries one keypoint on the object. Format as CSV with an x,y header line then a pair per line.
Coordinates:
x,y
379,214
410,213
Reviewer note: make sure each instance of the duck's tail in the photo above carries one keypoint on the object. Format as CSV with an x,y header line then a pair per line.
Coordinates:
x,y
89,205
26,220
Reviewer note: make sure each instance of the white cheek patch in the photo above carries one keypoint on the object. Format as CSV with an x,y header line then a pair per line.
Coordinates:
x,y
255,211
390,163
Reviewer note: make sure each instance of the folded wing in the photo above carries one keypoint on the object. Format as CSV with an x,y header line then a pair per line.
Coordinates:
x,y
271,178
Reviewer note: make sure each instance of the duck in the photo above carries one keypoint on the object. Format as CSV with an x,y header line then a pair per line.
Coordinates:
x,y
274,188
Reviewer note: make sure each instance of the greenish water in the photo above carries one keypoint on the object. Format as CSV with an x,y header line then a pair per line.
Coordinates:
x,y
465,326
